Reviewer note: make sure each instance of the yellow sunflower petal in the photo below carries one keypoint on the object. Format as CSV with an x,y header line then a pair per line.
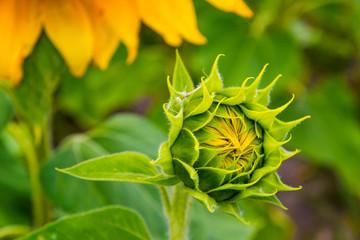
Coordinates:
x,y
20,28
156,15
122,16
105,40
237,6
172,20
69,27
183,18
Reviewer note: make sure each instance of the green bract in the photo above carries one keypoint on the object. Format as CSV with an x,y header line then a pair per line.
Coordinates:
x,y
224,143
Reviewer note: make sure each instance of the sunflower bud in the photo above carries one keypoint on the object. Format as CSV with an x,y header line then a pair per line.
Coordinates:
x,y
224,144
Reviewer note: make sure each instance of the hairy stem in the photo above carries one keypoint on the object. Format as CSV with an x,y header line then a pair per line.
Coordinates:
x,y
179,214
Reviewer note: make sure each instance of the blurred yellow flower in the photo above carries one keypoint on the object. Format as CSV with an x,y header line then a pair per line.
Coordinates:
x,y
91,30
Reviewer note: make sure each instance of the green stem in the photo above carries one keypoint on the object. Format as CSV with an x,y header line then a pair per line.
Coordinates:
x,y
179,213
20,133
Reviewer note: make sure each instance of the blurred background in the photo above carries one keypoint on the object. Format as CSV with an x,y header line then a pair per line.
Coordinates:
x,y
315,45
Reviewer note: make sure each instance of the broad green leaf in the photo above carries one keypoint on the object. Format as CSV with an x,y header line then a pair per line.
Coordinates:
x,y
106,223
123,132
122,167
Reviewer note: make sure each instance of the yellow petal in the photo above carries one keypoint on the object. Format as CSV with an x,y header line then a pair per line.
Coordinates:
x,y
183,18
68,25
123,17
106,40
237,6
20,28
156,15
172,19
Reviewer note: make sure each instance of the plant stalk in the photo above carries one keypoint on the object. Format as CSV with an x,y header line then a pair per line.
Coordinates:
x,y
20,133
179,214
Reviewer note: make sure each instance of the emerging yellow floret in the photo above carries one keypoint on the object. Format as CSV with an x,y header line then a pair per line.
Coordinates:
x,y
236,140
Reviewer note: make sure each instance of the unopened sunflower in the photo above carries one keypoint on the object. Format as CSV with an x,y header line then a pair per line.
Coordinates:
x,y
225,144
90,30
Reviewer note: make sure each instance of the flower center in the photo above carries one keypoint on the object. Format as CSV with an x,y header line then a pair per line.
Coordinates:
x,y
236,138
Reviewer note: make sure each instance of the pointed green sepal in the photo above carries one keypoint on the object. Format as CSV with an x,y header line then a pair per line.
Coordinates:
x,y
213,81
186,173
270,199
236,94
199,105
263,95
270,144
181,79
176,120
265,118
185,147
173,93
233,209
164,160
285,154
206,154
210,178
204,199
280,129
250,92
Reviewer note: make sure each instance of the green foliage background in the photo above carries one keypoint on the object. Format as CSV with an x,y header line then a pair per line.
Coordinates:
x,y
315,45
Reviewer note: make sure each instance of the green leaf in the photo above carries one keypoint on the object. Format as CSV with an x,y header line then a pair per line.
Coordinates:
x,y
182,81
120,133
122,167
105,223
